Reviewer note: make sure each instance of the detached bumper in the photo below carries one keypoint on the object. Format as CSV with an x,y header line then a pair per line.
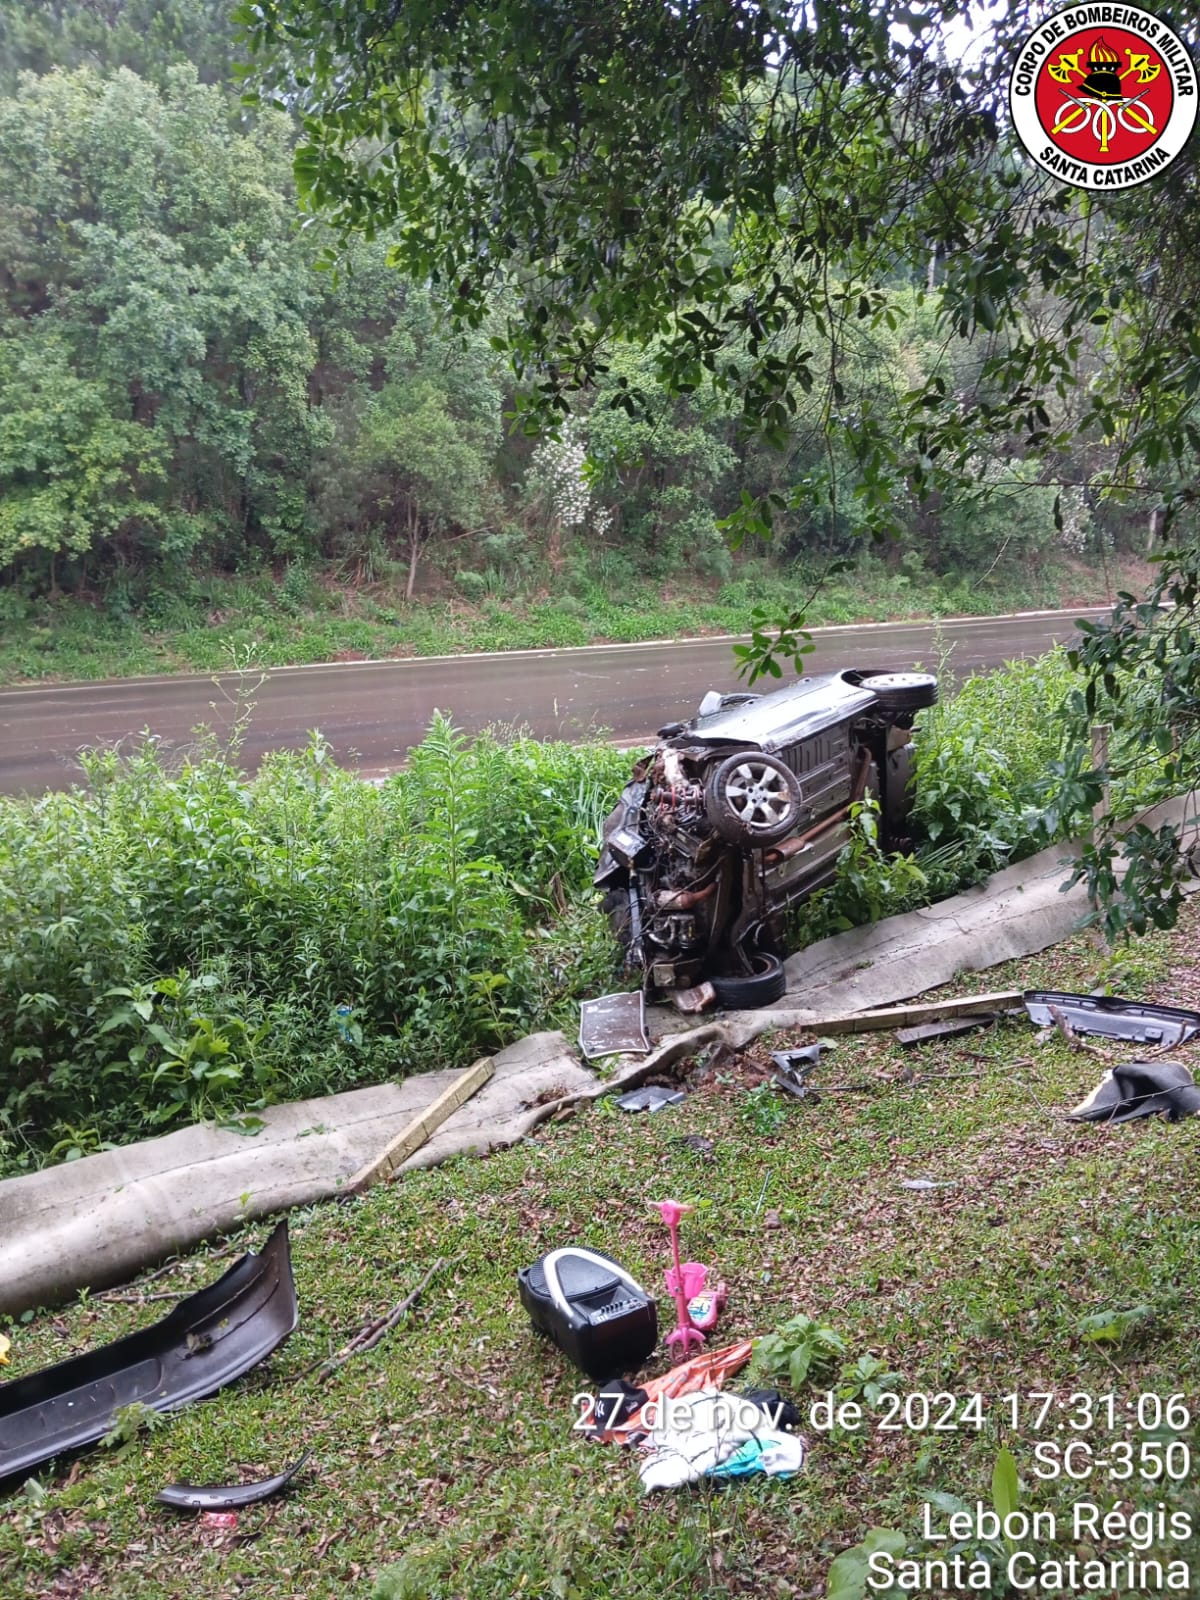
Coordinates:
x,y
211,1338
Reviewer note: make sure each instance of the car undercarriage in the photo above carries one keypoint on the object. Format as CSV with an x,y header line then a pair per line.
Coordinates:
x,y
741,813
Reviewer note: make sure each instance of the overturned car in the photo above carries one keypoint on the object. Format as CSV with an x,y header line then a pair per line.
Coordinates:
x,y
741,813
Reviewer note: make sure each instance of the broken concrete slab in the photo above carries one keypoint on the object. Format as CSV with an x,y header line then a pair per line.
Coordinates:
x,y
101,1220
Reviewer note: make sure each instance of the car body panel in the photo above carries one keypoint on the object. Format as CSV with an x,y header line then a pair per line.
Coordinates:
x,y
208,1340
789,716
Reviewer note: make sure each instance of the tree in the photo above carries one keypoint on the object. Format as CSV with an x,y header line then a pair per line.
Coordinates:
x,y
662,466
154,342
731,174
147,36
423,441
735,184
73,474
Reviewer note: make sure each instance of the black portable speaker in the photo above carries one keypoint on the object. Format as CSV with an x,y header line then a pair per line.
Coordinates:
x,y
591,1308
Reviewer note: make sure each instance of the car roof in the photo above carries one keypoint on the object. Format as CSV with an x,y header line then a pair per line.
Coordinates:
x,y
797,711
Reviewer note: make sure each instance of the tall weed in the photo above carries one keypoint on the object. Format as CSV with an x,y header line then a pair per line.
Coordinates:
x,y
982,778
983,758
183,945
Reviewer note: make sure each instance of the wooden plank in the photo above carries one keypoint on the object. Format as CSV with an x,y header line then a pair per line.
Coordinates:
x,y
410,1139
932,1011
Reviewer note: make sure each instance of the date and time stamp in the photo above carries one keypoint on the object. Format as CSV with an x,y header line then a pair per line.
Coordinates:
x,y
1120,1465
1140,1437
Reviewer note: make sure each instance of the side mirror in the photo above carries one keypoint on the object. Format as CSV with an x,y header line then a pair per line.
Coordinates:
x,y
711,703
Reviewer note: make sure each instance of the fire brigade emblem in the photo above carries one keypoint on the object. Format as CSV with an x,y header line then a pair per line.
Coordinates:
x,y
1103,96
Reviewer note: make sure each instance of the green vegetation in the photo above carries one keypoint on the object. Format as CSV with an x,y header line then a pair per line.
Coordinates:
x,y
445,1465
197,625
174,947
983,779
1000,772
816,225
201,436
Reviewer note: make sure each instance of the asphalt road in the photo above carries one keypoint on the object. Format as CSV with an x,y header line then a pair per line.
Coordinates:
x,y
373,712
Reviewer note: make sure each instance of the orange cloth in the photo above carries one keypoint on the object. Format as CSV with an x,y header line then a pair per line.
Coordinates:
x,y
707,1371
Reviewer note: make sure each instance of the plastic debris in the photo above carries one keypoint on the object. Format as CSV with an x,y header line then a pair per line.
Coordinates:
x,y
1112,1017
219,1521
1141,1089
208,1340
227,1496
615,1024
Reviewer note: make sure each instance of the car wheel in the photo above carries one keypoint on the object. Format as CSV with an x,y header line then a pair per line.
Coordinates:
x,y
753,799
901,691
765,985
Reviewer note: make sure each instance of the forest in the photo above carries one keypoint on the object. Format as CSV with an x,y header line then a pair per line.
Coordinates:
x,y
188,402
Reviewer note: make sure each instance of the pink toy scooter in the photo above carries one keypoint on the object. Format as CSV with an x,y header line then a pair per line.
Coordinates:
x,y
696,1307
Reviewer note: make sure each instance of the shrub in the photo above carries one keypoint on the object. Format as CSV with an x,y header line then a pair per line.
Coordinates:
x,y
870,883
981,778
175,946
983,756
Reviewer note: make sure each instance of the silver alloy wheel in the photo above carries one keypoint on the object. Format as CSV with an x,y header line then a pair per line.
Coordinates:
x,y
754,799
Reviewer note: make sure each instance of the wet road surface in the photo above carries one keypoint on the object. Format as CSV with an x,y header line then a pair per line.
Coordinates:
x,y
373,712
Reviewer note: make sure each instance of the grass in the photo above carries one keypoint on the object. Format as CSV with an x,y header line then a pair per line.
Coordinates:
x,y
449,1448
199,623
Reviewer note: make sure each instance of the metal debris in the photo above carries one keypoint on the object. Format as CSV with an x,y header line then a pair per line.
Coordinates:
x,y
652,1098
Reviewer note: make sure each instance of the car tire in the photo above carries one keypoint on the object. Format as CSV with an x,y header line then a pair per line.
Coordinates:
x,y
901,691
753,799
763,987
